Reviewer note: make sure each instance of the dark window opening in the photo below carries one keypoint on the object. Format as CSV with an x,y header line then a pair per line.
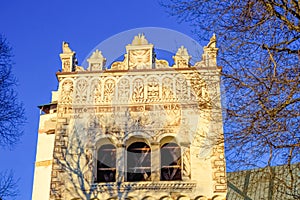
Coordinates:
x,y
170,162
138,162
106,163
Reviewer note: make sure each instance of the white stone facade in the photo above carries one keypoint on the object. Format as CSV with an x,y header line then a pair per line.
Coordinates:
x,y
107,132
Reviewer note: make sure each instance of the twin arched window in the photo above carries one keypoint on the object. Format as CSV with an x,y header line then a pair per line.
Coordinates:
x,y
139,162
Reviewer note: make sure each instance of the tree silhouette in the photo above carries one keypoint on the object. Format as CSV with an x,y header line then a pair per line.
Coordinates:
x,y
8,185
11,111
259,52
11,116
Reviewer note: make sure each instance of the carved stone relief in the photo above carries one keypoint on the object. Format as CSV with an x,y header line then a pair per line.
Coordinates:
x,y
153,89
66,64
181,88
198,87
167,89
139,59
124,90
109,90
95,91
81,91
67,92
138,90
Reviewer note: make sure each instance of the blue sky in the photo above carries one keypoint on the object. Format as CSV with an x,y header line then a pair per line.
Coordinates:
x,y
36,29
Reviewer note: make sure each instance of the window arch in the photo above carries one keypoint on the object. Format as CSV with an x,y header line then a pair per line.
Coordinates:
x,y
170,155
138,162
106,163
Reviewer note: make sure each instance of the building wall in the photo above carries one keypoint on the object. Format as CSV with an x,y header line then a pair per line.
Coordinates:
x,y
140,99
44,156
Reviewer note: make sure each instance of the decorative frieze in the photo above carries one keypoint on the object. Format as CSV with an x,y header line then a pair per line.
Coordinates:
x,y
118,90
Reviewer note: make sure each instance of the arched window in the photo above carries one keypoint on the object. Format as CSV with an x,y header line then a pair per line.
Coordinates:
x,y
138,162
106,163
170,155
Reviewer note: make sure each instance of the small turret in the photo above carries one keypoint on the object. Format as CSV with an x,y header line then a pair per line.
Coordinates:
x,y
210,52
181,58
96,61
68,58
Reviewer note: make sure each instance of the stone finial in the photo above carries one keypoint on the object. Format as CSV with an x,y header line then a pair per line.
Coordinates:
x,y
182,52
139,40
66,48
96,55
212,42
96,61
182,58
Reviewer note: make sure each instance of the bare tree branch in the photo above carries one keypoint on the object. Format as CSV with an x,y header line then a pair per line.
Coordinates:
x,y
259,53
8,185
11,111
12,116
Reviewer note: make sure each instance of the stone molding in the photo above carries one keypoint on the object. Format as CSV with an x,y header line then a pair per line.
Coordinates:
x,y
171,186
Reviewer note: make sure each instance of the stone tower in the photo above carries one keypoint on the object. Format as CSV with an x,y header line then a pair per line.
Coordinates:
x,y
138,129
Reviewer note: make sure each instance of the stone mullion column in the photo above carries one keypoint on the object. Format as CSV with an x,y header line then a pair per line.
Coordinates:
x,y
155,162
186,161
120,163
